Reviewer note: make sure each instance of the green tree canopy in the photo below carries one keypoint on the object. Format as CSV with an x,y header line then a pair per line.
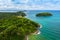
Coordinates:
x,y
8,14
14,28
44,14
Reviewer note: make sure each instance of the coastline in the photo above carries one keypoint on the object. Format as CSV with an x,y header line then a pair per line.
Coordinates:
x,y
37,32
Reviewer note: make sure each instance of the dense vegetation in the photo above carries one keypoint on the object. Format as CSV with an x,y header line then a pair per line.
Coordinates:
x,y
8,14
16,28
44,14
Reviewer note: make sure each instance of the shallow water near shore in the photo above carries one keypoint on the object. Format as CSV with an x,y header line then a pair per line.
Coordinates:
x,y
50,25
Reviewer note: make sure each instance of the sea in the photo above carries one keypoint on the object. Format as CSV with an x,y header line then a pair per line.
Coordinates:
x,y
50,29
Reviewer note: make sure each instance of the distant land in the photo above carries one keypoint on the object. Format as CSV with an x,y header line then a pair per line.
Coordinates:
x,y
20,10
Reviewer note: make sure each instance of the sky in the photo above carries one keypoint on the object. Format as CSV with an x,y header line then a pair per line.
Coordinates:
x,y
29,4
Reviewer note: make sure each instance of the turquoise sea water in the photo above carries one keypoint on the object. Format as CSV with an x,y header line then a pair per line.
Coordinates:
x,y
50,25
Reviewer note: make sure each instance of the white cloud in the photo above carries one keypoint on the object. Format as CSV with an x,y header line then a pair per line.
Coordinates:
x,y
29,5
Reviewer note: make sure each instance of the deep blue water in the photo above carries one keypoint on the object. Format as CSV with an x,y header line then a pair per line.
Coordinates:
x,y
50,25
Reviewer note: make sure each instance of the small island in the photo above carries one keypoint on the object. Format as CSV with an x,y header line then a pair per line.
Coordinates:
x,y
13,27
44,14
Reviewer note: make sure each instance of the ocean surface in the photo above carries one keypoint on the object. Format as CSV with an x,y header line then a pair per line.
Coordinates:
x,y
50,25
